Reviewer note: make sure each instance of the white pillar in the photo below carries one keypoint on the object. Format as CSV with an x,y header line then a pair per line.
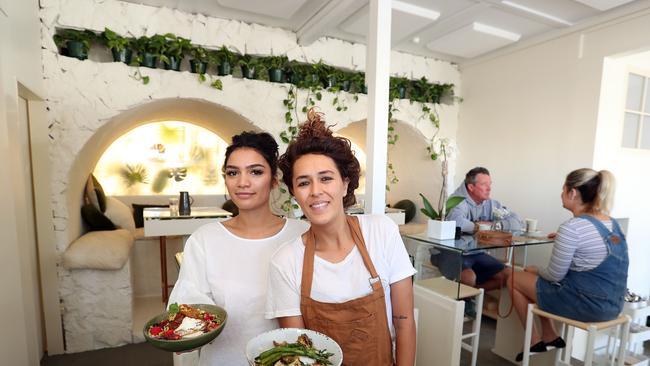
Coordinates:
x,y
377,77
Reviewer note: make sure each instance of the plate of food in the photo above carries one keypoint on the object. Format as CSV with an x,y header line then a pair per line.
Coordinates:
x,y
185,327
293,347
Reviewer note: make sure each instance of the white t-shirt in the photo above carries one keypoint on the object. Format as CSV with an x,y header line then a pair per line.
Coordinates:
x,y
342,281
223,269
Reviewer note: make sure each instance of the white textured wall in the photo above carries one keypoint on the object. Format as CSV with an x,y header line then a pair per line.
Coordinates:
x,y
532,116
90,103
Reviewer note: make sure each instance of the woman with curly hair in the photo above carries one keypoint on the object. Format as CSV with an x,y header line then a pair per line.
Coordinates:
x,y
226,263
347,277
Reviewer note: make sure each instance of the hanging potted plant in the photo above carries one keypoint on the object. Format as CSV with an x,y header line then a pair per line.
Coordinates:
x,y
199,61
173,51
120,46
225,60
437,226
398,87
149,50
344,80
74,43
294,72
330,77
359,83
275,65
247,64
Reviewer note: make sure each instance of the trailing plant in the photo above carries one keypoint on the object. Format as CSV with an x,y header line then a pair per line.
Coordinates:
x,y
85,38
137,75
291,130
175,47
223,54
274,62
114,41
199,53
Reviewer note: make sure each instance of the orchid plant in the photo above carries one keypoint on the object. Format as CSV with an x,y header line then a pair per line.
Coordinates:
x,y
444,149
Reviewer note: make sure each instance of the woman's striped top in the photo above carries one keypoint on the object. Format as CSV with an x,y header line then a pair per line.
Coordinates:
x,y
578,247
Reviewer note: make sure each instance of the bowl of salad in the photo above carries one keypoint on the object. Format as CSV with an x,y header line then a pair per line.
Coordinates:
x,y
293,347
185,327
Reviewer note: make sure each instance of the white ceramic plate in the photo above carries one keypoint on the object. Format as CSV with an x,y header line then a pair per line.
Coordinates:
x,y
265,340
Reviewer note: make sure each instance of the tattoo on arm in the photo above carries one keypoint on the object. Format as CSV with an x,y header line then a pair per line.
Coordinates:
x,y
400,317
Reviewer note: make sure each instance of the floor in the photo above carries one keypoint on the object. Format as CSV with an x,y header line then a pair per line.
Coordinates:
x,y
142,354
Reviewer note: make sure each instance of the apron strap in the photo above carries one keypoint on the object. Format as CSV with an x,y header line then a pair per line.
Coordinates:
x,y
310,251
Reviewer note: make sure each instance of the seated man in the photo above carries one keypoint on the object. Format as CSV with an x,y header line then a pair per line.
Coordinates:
x,y
480,269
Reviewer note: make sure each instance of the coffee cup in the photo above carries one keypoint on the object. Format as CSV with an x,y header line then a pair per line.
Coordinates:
x,y
173,206
531,225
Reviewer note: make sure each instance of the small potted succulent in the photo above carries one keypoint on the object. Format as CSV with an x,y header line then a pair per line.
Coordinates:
x,y
74,43
120,46
199,61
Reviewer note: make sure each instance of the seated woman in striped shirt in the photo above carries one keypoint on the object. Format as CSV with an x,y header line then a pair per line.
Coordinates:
x,y
587,275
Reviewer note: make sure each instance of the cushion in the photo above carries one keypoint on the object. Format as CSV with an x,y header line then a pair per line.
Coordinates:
x,y
99,250
119,214
95,219
137,213
94,193
409,209
231,207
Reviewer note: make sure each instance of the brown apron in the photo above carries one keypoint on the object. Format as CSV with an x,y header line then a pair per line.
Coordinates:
x,y
359,326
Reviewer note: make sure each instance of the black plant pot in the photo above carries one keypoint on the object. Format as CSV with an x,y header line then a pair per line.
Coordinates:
x,y
174,63
149,60
294,78
224,69
330,81
345,85
198,67
248,72
125,55
312,80
402,92
276,75
76,49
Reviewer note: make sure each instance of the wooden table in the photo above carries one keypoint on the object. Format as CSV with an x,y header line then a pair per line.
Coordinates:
x,y
159,222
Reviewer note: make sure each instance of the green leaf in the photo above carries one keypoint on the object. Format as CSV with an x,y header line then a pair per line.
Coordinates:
x,y
319,96
428,209
173,309
145,80
217,84
453,202
201,78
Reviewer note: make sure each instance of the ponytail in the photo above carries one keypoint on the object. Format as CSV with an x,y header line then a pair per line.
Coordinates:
x,y
596,188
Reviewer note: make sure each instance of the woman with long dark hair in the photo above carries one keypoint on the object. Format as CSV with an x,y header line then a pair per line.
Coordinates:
x,y
347,277
226,263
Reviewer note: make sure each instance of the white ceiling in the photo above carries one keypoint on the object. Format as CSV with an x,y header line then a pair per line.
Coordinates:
x,y
453,30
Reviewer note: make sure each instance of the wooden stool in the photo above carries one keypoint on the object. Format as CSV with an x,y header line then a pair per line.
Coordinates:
x,y
622,324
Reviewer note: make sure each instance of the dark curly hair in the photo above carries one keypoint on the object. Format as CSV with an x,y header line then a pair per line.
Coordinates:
x,y
261,142
314,137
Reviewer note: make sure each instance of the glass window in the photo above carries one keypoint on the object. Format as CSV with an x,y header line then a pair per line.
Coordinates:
x,y
634,92
645,134
630,130
163,158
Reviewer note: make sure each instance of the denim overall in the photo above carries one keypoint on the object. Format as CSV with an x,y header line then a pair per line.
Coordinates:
x,y
595,295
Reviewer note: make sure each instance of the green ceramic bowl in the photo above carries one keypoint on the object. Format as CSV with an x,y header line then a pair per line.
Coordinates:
x,y
189,344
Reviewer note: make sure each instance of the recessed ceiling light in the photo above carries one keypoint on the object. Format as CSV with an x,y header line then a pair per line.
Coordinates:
x,y
416,40
414,10
536,12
